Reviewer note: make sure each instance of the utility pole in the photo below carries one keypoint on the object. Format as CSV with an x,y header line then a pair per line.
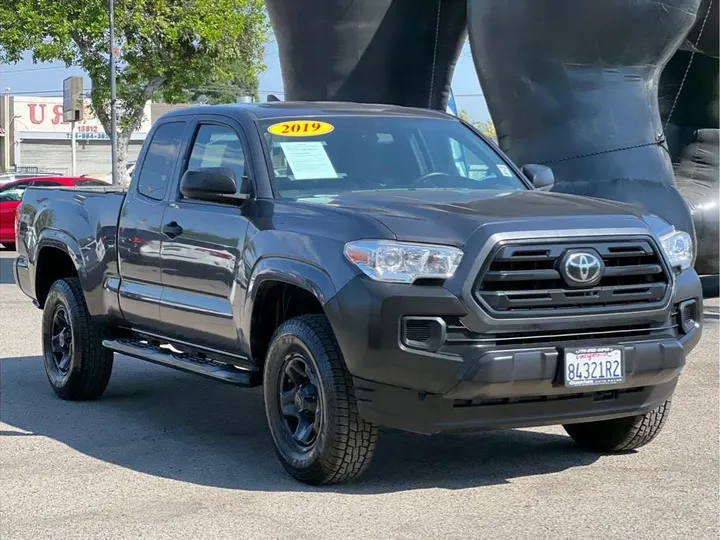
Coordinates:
x,y
113,111
5,166
73,150
6,130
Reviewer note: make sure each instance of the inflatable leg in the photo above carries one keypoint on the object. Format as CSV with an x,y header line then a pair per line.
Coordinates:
x,y
397,52
573,84
689,107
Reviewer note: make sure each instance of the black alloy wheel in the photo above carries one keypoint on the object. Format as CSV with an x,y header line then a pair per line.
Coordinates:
x,y
310,404
78,367
300,401
61,340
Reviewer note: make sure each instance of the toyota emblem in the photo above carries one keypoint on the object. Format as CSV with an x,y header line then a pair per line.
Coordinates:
x,y
582,268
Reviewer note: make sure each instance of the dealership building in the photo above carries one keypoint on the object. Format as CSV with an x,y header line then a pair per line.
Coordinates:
x,y
36,139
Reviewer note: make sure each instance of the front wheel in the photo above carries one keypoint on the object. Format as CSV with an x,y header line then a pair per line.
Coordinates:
x,y
77,365
620,434
311,407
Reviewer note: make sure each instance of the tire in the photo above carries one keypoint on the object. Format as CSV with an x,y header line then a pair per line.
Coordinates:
x,y
340,444
83,373
620,434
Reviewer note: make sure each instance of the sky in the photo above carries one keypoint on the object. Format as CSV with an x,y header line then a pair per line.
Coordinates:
x,y
46,80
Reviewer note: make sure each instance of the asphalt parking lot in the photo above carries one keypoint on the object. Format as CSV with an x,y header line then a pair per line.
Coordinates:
x,y
167,455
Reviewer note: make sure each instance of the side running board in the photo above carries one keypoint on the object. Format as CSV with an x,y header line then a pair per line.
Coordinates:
x,y
184,362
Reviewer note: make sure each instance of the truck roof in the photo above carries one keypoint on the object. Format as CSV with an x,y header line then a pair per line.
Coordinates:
x,y
275,109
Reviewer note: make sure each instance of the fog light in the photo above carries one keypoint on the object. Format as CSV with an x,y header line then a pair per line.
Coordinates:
x,y
687,313
426,333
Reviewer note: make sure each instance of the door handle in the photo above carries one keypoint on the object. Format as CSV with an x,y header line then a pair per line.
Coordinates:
x,y
172,229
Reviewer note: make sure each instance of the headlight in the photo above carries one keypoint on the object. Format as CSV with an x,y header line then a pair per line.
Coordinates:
x,y
678,248
400,262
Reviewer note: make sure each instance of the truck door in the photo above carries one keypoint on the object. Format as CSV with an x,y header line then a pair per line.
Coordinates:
x,y
202,245
139,234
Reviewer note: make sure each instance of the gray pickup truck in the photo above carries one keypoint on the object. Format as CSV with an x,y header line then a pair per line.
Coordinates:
x,y
368,266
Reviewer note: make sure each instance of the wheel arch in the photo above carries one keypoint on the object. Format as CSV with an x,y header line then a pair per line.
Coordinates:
x,y
279,289
57,256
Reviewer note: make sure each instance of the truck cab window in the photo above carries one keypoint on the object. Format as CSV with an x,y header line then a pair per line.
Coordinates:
x,y
218,146
160,160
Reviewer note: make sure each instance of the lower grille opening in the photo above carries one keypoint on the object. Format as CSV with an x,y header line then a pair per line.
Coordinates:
x,y
418,330
687,315
595,396
459,334
424,333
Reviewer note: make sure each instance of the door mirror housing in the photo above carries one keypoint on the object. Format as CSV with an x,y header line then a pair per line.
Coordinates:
x,y
214,184
541,177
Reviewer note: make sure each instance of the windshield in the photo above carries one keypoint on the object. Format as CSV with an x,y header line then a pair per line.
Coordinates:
x,y
337,154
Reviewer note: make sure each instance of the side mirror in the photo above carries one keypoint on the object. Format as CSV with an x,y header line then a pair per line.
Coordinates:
x,y
215,184
541,177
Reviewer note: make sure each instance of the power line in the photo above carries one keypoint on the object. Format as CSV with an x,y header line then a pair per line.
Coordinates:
x,y
36,92
32,69
209,88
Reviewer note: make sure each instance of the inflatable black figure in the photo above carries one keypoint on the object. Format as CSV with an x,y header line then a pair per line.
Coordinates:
x,y
690,107
570,83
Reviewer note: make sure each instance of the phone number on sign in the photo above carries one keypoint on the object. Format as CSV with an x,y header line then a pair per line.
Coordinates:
x,y
88,136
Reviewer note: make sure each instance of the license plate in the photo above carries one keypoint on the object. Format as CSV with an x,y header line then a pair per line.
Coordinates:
x,y
595,366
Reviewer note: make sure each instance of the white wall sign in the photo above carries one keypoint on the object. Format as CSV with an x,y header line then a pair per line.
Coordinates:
x,y
42,118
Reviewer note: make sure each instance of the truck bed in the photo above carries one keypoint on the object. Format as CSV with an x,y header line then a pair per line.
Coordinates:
x,y
80,221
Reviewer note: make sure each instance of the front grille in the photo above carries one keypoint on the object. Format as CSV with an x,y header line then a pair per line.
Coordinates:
x,y
525,278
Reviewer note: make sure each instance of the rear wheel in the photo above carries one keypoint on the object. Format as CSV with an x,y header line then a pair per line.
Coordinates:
x,y
620,434
77,365
311,407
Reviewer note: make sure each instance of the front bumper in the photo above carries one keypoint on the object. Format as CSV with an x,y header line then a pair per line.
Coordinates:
x,y
485,383
407,410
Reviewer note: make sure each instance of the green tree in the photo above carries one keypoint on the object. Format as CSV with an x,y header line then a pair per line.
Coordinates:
x,y
168,49
243,82
487,127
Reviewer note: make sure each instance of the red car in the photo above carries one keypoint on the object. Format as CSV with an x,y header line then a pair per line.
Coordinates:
x,y
11,194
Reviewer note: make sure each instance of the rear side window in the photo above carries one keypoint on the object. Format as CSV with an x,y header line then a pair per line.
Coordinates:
x,y
217,146
162,154
19,185
13,193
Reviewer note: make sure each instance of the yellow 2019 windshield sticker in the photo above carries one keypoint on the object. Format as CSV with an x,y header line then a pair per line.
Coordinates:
x,y
301,128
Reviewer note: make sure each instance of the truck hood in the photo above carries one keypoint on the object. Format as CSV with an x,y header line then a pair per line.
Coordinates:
x,y
452,216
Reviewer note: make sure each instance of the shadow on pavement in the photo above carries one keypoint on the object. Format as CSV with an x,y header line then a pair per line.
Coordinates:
x,y
6,267
172,425
710,286
711,314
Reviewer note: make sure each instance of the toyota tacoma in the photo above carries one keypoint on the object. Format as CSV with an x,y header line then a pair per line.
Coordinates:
x,y
369,266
